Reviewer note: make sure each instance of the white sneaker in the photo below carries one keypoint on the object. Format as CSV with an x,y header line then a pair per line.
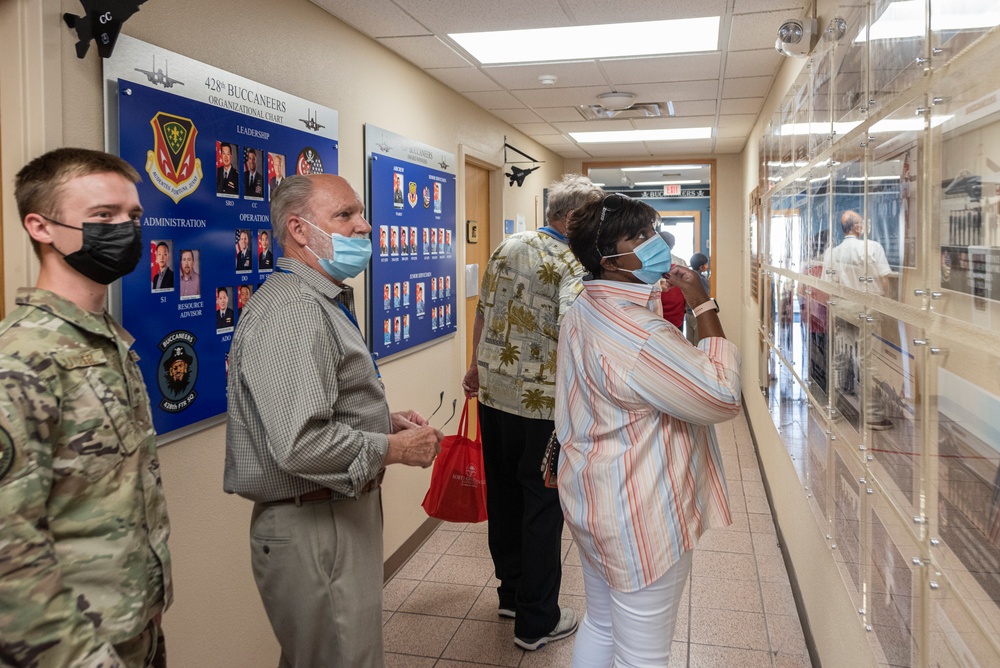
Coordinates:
x,y
566,627
509,613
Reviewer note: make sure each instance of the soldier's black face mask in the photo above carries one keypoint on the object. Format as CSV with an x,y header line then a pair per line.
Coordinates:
x,y
109,250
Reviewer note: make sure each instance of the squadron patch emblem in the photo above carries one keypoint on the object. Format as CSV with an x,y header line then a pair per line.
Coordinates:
x,y
6,452
172,165
309,162
178,371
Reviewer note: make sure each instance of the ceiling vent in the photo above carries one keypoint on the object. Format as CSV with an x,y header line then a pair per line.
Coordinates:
x,y
593,112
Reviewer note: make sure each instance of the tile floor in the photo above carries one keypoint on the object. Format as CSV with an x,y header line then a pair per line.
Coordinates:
x,y
737,610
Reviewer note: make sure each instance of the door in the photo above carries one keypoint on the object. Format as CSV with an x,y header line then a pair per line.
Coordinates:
x,y
477,208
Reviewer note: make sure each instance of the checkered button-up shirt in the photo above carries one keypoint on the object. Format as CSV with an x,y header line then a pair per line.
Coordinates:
x,y
306,407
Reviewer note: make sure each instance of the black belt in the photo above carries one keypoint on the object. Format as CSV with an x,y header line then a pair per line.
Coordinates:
x,y
327,494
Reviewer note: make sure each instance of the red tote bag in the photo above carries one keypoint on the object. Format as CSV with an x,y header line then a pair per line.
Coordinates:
x,y
458,482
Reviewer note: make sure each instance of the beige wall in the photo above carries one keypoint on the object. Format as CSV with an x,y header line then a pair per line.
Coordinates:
x,y
217,618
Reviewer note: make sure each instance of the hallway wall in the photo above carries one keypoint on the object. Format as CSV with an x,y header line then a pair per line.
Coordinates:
x,y
217,618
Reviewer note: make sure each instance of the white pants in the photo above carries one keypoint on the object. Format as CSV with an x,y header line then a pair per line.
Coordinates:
x,y
629,629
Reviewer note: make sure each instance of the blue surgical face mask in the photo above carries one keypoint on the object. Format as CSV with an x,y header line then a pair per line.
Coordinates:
x,y
350,256
654,253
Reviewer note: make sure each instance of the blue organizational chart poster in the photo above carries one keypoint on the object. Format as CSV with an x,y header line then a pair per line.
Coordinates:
x,y
210,147
411,208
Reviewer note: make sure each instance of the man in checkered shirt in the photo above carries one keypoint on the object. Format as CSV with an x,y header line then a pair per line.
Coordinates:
x,y
310,433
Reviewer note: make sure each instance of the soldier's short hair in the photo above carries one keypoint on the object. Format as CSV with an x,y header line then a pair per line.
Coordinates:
x,y
38,186
571,192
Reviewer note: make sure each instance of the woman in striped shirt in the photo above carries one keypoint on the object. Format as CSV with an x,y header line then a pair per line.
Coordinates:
x,y
640,474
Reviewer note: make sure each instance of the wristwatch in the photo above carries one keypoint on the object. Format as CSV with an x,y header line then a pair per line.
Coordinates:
x,y
710,305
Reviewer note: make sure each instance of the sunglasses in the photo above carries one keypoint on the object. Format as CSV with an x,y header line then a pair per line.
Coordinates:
x,y
611,203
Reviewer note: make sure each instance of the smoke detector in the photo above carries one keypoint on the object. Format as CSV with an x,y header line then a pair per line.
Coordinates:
x,y
616,101
547,79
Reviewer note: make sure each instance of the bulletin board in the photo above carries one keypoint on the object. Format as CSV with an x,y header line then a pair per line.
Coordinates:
x,y
210,147
411,205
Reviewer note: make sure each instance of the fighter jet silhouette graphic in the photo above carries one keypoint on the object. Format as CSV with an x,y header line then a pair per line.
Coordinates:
x,y
101,22
159,77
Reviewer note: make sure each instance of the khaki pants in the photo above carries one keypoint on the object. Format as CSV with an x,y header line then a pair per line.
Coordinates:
x,y
318,568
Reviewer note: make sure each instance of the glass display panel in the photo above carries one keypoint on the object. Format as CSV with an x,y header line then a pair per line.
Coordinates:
x,y
787,337
957,24
816,364
964,471
856,252
897,38
897,429
893,584
962,631
846,349
791,418
803,147
788,136
850,63
821,126
848,505
893,201
817,467
967,139
787,207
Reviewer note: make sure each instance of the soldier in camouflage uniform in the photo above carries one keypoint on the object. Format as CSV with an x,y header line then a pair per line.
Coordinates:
x,y
84,566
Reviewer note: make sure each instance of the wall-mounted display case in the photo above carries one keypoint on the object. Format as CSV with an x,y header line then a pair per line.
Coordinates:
x,y
879,282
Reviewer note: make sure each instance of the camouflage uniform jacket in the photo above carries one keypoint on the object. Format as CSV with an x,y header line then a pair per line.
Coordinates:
x,y
530,282
84,563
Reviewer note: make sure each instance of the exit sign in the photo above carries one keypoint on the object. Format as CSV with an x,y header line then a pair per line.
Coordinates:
x,y
672,189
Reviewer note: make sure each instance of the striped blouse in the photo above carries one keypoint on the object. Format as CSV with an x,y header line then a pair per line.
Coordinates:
x,y
640,474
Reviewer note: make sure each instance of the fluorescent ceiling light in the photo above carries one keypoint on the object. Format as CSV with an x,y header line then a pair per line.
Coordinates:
x,y
873,178
652,168
614,40
624,136
600,185
906,18
819,178
667,183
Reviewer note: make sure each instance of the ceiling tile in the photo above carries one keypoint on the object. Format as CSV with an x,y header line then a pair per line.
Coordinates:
x,y
448,16
663,68
629,150
695,108
555,114
520,77
536,129
514,116
594,126
681,90
591,12
560,97
425,52
755,31
463,79
681,122
730,145
741,105
491,100
759,62
375,18
738,121
746,87
555,141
